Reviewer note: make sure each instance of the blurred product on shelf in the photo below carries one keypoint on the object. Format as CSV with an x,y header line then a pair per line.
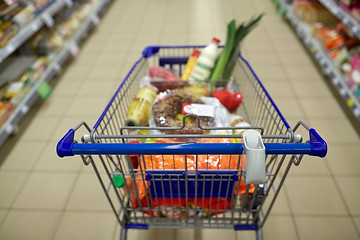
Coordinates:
x,y
348,4
352,7
5,111
15,91
344,50
45,44
311,11
13,18
334,38
50,40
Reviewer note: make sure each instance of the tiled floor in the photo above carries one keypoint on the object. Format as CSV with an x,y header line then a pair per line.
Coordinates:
x,y
44,197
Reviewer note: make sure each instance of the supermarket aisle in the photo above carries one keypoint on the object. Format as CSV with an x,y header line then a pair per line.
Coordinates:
x,y
51,198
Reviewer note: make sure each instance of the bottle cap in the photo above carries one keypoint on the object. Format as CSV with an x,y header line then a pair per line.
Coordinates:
x,y
118,181
196,53
216,40
131,122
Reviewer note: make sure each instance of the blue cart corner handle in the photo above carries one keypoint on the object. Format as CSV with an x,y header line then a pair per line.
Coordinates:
x,y
64,146
318,145
150,50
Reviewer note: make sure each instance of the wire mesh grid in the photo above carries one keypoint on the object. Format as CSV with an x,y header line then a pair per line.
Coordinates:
x,y
163,200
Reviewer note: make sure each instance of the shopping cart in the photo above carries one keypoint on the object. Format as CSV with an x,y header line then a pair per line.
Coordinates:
x,y
238,196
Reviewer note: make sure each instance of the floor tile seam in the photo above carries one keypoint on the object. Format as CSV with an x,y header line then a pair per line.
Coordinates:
x,y
313,97
48,140
72,189
291,211
324,215
67,210
347,207
16,196
342,197
330,175
77,177
324,175
4,217
288,77
34,170
28,174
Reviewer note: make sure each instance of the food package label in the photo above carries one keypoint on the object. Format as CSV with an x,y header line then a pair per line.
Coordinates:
x,y
202,110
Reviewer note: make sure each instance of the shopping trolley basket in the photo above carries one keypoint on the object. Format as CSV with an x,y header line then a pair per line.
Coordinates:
x,y
200,181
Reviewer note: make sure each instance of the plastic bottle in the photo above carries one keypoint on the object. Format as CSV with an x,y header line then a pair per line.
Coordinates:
x,y
190,65
138,109
205,63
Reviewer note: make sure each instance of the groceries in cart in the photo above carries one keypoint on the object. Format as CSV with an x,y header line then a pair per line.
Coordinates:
x,y
195,100
159,196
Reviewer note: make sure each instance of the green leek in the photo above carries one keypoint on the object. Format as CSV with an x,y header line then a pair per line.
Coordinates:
x,y
226,63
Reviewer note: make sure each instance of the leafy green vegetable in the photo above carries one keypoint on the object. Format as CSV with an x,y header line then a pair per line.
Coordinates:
x,y
226,63
225,55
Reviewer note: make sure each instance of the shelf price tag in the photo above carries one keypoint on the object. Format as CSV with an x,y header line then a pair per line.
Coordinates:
x,y
68,3
35,26
95,19
356,112
74,49
342,91
44,90
281,11
335,81
10,2
57,67
48,19
10,48
24,109
10,129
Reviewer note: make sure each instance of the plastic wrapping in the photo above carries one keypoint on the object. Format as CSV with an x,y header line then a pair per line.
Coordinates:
x,y
161,78
170,107
213,205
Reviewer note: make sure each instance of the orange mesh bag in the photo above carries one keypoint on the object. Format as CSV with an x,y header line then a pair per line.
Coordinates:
x,y
177,162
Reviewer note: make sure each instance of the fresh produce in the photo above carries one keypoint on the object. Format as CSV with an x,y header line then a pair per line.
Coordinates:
x,y
231,101
163,79
226,62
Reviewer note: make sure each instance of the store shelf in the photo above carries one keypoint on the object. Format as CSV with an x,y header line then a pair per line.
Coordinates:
x,y
57,61
13,67
352,24
30,29
335,76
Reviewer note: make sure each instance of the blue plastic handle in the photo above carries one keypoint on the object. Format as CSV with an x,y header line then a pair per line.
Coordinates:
x,y
66,147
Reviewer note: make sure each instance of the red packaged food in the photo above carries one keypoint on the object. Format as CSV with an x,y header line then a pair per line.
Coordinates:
x,y
213,205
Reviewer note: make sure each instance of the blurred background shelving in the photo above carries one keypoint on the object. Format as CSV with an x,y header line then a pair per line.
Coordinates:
x,y
39,44
331,32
